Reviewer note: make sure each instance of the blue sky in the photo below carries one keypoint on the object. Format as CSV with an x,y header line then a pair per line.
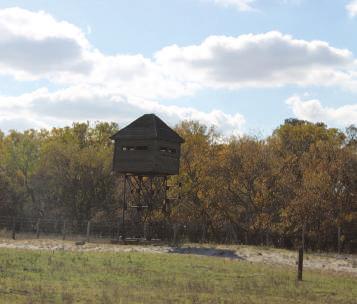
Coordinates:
x,y
241,65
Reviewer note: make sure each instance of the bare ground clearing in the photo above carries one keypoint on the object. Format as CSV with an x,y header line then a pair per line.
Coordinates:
x,y
325,262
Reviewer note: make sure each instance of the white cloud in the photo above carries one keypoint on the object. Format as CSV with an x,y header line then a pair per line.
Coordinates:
x,y
81,103
292,2
242,5
351,8
138,76
270,59
34,45
313,110
248,5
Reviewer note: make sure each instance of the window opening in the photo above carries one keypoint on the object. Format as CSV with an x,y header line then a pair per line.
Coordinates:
x,y
135,148
168,150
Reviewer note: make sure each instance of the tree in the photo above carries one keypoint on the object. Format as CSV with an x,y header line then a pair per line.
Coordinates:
x,y
197,153
75,166
302,184
21,155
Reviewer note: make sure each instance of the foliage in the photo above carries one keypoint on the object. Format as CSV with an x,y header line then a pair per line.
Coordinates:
x,y
300,180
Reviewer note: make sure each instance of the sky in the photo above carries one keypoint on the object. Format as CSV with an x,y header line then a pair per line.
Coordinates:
x,y
242,66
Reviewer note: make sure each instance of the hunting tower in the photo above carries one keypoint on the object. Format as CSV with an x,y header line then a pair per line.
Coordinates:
x,y
146,152
147,146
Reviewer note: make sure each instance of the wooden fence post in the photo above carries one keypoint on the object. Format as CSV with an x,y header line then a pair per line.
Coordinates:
x,y
175,234
118,231
303,231
55,226
339,239
88,230
38,228
123,234
21,228
300,263
13,228
64,230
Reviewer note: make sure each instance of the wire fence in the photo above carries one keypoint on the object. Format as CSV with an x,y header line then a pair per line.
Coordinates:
x,y
108,231
27,227
104,231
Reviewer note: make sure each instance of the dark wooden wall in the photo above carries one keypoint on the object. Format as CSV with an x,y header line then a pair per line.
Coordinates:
x,y
160,157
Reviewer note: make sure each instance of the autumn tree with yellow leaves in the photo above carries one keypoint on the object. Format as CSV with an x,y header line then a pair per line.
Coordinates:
x,y
297,185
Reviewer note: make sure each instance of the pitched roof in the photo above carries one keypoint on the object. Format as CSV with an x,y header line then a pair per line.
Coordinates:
x,y
148,126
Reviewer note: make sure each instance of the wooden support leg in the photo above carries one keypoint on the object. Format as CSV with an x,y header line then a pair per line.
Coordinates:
x,y
300,263
13,228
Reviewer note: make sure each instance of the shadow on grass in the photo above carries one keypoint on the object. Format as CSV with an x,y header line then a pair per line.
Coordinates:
x,y
211,252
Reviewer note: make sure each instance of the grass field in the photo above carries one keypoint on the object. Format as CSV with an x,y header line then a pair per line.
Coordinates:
x,y
76,277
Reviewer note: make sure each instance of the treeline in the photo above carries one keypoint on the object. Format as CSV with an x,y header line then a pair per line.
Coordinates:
x,y
300,182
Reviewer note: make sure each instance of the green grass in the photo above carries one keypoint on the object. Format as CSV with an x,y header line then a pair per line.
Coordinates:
x,y
68,277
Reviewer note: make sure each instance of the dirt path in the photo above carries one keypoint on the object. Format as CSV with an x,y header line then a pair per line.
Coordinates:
x,y
336,263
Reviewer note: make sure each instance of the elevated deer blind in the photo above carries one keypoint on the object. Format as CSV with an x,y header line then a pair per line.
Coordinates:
x,y
146,153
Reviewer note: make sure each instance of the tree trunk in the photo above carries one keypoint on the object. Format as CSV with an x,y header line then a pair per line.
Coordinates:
x,y
303,231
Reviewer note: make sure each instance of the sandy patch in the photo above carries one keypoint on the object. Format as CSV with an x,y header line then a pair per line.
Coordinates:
x,y
336,263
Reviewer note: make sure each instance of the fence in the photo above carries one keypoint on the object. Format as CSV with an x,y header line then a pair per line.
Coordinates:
x,y
104,231
25,227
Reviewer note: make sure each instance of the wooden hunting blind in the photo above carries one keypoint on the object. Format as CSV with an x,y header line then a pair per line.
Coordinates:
x,y
147,146
146,153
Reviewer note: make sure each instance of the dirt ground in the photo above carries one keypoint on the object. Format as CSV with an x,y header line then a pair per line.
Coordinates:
x,y
324,262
